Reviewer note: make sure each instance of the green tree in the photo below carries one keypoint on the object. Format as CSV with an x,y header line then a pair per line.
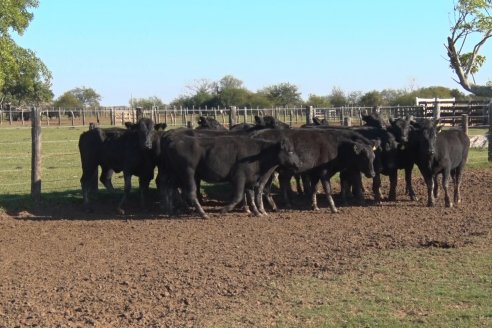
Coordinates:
x,y
472,23
337,97
230,92
23,77
68,100
87,96
371,98
147,103
283,94
318,101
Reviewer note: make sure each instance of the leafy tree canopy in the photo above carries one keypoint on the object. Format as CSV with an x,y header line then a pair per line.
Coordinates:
x,y
88,97
471,29
283,94
68,100
23,76
147,103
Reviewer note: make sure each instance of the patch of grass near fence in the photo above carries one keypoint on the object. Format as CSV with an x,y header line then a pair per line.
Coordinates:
x,y
429,287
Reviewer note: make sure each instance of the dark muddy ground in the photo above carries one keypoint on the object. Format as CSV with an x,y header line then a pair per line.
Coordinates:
x,y
62,267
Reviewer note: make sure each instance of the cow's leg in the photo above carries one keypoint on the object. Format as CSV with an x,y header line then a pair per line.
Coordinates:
x,y
307,184
457,182
357,188
89,172
191,192
445,183
238,194
143,187
299,186
314,202
344,187
250,194
105,178
436,186
429,181
126,192
376,188
327,187
264,179
246,202
284,181
267,193
393,178
408,182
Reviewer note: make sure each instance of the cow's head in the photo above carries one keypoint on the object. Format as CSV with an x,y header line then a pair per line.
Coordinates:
x,y
269,122
374,120
400,127
426,136
288,158
145,131
364,156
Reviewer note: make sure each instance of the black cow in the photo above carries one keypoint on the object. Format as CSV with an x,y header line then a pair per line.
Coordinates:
x,y
447,157
246,163
394,140
269,122
205,122
324,153
261,122
115,149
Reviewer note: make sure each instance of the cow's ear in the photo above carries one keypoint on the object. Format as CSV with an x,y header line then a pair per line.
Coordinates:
x,y
376,144
257,120
357,148
285,145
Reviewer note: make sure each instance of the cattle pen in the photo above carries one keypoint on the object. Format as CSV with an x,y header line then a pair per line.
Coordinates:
x,y
397,263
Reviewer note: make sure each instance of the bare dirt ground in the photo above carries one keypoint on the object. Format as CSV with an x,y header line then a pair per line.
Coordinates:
x,y
62,267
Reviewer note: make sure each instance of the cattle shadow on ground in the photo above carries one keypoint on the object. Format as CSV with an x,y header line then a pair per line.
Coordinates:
x,y
67,205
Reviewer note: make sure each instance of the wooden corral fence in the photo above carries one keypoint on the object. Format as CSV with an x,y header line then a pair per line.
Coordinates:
x,y
232,116
449,111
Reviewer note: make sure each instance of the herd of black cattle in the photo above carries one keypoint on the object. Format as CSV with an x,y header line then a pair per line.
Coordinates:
x,y
249,156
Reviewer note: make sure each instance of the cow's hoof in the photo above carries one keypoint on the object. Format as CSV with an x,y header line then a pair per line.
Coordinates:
x,y
120,211
449,204
204,217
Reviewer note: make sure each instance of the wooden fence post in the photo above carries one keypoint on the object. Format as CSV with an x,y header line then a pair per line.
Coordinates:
x,y
490,130
464,123
437,109
36,155
347,121
9,108
232,116
309,114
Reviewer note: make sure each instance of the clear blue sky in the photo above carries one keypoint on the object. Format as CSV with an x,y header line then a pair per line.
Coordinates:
x,y
124,48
